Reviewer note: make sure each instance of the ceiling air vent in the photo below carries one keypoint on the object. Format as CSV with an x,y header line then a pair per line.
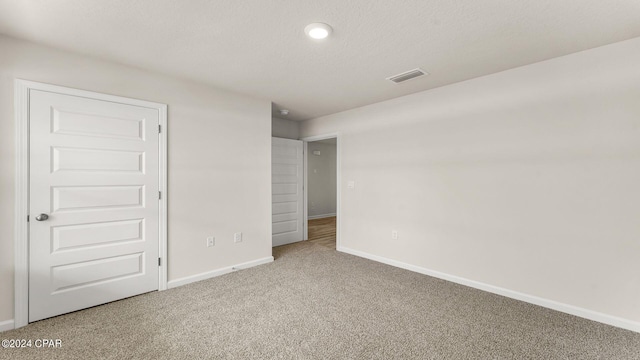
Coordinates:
x,y
408,75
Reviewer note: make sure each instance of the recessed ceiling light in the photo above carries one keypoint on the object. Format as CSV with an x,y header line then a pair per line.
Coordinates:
x,y
284,112
318,31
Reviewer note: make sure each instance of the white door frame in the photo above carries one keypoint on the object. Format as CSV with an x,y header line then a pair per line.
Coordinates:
x,y
21,245
307,140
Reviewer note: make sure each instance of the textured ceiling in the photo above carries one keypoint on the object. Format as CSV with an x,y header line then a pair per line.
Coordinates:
x,y
259,48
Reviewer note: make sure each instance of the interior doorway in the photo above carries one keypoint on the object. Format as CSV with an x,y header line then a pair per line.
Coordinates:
x,y
322,190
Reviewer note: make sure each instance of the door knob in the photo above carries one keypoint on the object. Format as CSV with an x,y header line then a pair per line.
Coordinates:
x,y
42,217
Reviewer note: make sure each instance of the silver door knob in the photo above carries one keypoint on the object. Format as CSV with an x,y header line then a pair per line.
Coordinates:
x,y
42,217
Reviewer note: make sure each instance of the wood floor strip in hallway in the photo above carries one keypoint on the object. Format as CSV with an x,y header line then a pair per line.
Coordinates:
x,y
323,231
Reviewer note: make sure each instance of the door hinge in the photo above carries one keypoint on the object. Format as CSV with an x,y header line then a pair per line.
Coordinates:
x,y
159,129
159,195
159,261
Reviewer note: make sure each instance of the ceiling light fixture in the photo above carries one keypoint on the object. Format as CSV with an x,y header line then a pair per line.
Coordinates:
x,y
284,112
318,31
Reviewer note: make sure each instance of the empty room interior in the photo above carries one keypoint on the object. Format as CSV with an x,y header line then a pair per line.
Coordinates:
x,y
403,179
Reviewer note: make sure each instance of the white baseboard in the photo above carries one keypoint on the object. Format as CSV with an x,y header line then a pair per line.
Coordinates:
x,y
6,325
551,304
210,274
312,217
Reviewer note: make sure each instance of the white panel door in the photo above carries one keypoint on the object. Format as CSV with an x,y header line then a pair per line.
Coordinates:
x,y
286,190
94,172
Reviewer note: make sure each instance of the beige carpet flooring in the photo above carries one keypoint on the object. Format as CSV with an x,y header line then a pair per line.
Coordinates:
x,y
316,303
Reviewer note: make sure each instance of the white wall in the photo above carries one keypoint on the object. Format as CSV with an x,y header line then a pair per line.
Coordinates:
x,y
287,129
321,180
219,158
528,179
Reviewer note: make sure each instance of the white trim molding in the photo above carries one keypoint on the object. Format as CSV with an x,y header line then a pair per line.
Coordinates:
x,y
305,200
21,244
322,216
164,188
6,325
218,272
339,184
551,304
21,227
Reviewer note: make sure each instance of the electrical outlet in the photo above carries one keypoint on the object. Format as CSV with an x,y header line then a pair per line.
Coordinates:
x,y
237,237
211,241
394,234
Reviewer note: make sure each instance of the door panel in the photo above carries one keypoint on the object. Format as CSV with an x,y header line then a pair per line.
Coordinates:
x,y
95,197
94,170
72,237
286,190
70,159
96,125
75,276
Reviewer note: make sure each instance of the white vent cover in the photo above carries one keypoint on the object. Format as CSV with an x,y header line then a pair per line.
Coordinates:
x,y
407,75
